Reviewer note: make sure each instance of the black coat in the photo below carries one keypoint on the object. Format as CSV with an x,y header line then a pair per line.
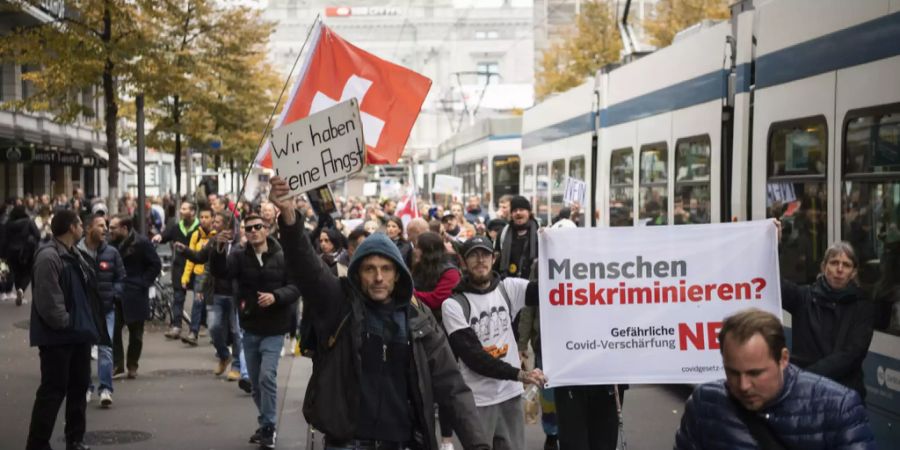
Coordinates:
x,y
831,330
811,412
142,266
334,397
243,267
20,241
110,271
176,231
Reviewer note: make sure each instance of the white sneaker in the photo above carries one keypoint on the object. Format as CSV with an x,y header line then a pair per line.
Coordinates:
x,y
89,396
94,352
282,351
105,399
446,446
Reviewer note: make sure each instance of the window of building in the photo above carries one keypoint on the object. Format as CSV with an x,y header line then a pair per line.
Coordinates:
x,y
542,194
797,194
654,199
692,182
870,204
621,188
488,73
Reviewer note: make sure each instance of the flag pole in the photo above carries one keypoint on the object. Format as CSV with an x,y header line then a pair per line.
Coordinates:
x,y
262,137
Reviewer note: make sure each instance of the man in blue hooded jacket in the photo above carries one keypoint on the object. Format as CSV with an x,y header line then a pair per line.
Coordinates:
x,y
381,361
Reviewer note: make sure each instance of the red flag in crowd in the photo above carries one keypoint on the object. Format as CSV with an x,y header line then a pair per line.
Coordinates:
x,y
408,206
390,96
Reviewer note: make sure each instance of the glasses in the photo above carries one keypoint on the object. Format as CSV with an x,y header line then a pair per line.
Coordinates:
x,y
254,227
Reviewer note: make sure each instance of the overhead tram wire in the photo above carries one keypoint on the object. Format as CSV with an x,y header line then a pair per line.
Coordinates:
x,y
262,137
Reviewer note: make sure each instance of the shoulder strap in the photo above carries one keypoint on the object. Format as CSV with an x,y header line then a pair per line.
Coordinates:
x,y
760,430
463,301
506,297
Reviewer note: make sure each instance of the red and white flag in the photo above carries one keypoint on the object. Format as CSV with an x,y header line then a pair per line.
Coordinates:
x,y
408,207
390,96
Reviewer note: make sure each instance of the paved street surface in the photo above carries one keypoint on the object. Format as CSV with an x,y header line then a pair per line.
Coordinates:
x,y
177,403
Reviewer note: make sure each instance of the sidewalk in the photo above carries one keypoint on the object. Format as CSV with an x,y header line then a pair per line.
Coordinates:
x,y
175,399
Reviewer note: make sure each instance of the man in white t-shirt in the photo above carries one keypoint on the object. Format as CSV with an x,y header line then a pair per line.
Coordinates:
x,y
478,320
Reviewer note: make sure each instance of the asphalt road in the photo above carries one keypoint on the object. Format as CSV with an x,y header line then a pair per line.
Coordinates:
x,y
177,403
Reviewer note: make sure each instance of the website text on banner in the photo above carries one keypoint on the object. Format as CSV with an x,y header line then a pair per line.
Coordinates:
x,y
645,304
319,149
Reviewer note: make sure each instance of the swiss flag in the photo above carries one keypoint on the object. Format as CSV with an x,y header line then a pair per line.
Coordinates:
x,y
390,96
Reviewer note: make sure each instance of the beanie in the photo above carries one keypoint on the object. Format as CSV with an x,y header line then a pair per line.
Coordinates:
x,y
519,202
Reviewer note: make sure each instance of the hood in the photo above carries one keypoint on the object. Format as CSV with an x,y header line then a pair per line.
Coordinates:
x,y
381,245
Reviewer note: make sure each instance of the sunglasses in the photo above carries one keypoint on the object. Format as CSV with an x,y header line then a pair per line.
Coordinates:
x,y
254,227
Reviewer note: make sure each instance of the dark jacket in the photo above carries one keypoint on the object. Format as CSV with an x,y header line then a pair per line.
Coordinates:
x,y
811,412
110,270
66,308
244,268
176,231
142,266
406,251
339,397
831,330
520,268
20,241
212,285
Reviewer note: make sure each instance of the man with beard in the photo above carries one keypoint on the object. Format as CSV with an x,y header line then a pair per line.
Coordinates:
x,y
179,231
474,213
490,361
142,266
518,241
450,226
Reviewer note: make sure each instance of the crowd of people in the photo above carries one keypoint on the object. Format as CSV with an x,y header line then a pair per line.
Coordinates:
x,y
401,318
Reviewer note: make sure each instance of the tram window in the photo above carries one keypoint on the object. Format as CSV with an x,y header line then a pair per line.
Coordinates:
x,y
870,206
557,187
692,168
654,198
797,194
528,179
506,177
542,196
621,188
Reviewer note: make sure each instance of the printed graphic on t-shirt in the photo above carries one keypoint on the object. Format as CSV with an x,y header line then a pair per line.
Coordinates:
x,y
491,323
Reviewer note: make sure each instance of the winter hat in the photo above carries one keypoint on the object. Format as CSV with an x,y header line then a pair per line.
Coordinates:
x,y
519,202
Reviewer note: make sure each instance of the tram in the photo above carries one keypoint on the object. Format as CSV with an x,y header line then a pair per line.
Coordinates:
x,y
775,113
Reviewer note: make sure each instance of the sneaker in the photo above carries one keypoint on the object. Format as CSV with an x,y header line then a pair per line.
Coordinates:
x,y
132,373
282,352
190,339
222,366
173,333
233,375
295,347
267,437
244,385
20,295
94,352
446,446
118,374
105,399
89,396
256,437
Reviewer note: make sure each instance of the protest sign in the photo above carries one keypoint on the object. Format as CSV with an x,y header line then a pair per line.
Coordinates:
x,y
370,189
575,191
319,149
447,184
645,304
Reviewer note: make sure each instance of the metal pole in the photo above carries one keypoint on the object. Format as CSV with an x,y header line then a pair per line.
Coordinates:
x,y
142,196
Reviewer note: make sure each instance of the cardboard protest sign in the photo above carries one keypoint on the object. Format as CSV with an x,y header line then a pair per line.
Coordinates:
x,y
447,184
575,191
319,149
645,304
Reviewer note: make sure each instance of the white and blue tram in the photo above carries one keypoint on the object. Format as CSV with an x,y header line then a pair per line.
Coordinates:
x,y
791,109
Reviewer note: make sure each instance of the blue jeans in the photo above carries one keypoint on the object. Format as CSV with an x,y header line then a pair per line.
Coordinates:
x,y
262,354
239,363
198,308
177,305
105,357
222,325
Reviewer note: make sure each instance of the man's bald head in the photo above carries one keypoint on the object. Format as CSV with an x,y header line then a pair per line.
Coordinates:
x,y
414,228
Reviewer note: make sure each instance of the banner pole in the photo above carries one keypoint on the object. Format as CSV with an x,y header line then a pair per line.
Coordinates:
x,y
287,81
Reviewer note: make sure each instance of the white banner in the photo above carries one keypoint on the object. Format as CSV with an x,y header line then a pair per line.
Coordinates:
x,y
645,304
319,149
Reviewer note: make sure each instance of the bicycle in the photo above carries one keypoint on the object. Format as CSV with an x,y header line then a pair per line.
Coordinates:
x,y
162,293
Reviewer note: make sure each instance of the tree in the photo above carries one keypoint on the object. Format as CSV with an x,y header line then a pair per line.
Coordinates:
x,y
672,16
594,44
88,43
